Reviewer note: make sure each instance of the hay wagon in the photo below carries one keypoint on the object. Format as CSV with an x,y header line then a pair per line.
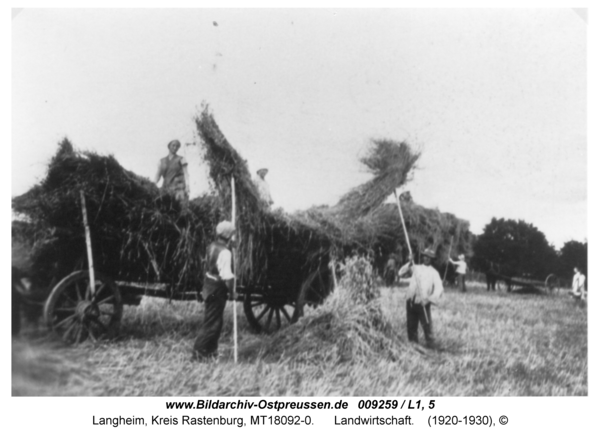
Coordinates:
x,y
87,303
79,307
145,244
510,283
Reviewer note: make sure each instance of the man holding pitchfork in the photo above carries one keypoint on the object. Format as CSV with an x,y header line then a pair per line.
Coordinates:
x,y
218,287
425,288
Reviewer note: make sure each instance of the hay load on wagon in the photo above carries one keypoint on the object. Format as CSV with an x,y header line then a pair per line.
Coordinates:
x,y
140,234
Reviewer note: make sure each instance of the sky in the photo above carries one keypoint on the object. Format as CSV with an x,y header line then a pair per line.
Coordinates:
x,y
494,99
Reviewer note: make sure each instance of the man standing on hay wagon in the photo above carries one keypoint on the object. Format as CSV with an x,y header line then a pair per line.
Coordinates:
x,y
425,288
263,187
461,271
173,170
218,287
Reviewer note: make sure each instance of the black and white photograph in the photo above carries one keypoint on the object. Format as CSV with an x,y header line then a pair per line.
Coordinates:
x,y
317,202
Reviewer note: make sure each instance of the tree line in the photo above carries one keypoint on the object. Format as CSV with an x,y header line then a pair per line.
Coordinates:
x,y
520,249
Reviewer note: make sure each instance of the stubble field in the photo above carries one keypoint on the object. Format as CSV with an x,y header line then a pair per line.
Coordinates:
x,y
488,344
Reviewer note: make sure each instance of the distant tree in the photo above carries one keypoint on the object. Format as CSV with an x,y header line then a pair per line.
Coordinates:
x,y
519,247
572,254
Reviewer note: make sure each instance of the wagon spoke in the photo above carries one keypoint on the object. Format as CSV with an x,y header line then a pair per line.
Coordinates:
x,y
110,297
269,319
78,292
97,329
287,316
67,332
69,299
64,321
96,295
97,292
262,313
65,309
278,318
80,335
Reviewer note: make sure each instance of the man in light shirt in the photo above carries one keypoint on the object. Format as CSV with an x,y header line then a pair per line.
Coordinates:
x,y
217,288
461,271
578,284
425,288
263,186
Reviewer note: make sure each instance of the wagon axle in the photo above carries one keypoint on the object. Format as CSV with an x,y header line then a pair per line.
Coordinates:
x,y
87,311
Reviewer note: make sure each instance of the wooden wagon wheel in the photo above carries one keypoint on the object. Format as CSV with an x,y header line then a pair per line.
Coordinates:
x,y
551,283
267,312
74,314
502,285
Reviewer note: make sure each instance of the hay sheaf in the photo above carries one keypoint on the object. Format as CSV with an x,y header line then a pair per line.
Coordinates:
x,y
349,326
337,331
390,163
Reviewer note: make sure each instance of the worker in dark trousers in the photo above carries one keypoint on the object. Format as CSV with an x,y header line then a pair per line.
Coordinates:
x,y
217,288
425,288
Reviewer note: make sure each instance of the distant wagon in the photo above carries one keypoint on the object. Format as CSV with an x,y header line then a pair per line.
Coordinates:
x,y
506,279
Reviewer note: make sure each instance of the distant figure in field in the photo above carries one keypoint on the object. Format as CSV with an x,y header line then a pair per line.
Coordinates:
x,y
491,276
425,288
578,290
263,186
217,288
389,273
461,271
173,170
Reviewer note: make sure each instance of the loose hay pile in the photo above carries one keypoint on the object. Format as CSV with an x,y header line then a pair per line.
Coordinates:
x,y
349,326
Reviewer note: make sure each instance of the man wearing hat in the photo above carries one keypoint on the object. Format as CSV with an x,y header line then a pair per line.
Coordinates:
x,y
425,288
461,271
173,170
263,186
217,288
